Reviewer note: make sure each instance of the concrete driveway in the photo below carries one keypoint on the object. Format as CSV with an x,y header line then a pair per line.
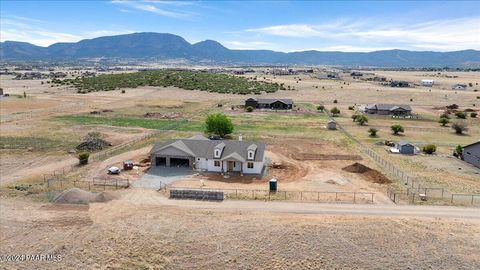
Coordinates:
x,y
160,176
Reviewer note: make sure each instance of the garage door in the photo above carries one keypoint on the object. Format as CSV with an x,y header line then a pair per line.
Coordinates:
x,y
160,161
179,162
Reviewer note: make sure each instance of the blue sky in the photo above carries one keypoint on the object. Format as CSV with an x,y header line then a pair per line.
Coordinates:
x,y
281,26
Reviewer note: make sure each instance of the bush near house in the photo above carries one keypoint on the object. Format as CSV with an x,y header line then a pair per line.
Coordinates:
x,y
83,157
249,109
429,149
362,119
473,115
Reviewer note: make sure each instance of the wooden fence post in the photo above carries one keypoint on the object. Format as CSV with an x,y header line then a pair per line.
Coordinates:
x,y
354,197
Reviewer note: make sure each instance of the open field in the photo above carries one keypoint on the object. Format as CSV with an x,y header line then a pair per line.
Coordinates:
x,y
143,230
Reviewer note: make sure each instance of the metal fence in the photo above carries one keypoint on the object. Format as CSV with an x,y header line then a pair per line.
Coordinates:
x,y
95,184
291,195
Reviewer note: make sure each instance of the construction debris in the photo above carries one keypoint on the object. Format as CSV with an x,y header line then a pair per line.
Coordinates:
x,y
368,173
159,115
93,142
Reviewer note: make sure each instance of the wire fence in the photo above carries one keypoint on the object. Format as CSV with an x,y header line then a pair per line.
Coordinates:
x,y
289,195
96,184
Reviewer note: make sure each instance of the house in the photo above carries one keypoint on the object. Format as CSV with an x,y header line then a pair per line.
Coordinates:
x,y
332,125
268,103
405,148
202,154
459,86
471,154
428,83
388,109
399,84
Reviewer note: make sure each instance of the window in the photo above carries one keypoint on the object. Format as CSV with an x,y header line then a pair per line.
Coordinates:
x,y
216,163
250,154
217,153
250,165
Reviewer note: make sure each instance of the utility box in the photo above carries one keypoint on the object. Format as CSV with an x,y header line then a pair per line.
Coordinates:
x,y
273,185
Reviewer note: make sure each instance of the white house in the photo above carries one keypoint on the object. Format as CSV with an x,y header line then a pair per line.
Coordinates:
x,y
428,83
202,154
459,86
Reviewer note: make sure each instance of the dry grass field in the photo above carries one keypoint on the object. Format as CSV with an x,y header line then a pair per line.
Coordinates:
x,y
141,231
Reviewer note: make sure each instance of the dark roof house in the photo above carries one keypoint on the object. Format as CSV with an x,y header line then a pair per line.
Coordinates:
x,y
471,154
389,109
269,103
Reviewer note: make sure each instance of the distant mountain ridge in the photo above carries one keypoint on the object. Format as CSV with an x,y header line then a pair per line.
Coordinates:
x,y
168,46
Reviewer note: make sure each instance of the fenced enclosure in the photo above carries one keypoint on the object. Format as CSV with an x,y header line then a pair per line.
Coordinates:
x,y
96,184
197,194
307,196
413,185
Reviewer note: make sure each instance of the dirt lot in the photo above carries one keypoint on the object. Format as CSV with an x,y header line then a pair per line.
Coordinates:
x,y
140,231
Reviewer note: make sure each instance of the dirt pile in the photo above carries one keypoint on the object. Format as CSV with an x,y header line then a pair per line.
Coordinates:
x,y
159,115
368,173
79,196
93,142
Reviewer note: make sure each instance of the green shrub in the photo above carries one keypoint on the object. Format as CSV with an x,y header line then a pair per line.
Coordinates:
x,y
218,124
443,121
249,109
83,157
473,115
335,111
335,101
362,119
321,108
397,129
373,132
351,108
461,115
429,149
459,127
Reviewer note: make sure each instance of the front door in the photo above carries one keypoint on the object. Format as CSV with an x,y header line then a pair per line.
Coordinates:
x,y
230,166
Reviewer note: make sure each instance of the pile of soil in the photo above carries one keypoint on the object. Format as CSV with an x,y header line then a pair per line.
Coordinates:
x,y
93,142
368,173
79,196
159,115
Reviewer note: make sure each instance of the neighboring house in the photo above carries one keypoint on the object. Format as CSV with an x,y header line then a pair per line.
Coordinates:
x,y
203,154
405,148
459,86
399,84
428,83
388,109
471,154
267,103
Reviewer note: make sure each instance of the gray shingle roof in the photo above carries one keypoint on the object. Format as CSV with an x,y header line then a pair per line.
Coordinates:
x,y
205,148
388,107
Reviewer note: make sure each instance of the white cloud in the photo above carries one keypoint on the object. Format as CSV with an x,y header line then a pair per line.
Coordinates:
x,y
249,45
18,29
149,6
443,35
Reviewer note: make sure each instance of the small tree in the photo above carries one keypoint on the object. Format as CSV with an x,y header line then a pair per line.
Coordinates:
x,y
24,94
445,115
354,117
321,108
397,129
351,108
459,127
459,150
443,121
362,119
335,101
249,109
473,115
335,111
429,149
460,115
373,132
218,124
83,157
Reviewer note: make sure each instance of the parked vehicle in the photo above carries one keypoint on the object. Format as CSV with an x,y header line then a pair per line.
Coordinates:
x,y
113,170
128,165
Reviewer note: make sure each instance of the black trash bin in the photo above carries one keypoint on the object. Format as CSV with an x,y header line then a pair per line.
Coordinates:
x,y
273,185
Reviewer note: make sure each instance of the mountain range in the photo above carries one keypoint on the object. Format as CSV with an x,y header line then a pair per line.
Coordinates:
x,y
161,46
